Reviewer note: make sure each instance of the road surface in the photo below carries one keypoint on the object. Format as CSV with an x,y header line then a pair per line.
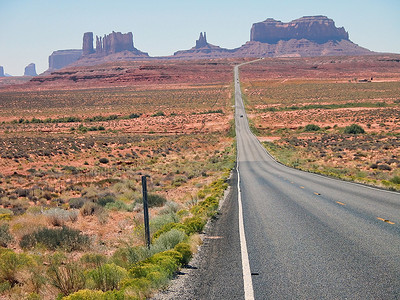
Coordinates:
x,y
288,234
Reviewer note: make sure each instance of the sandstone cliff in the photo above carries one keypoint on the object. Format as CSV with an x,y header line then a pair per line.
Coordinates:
x,y
30,70
319,29
62,58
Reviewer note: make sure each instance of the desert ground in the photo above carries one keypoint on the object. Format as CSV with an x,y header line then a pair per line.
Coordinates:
x,y
73,153
286,97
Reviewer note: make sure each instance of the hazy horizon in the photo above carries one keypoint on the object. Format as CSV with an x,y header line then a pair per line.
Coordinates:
x,y
32,30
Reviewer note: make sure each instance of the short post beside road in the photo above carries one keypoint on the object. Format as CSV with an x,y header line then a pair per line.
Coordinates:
x,y
146,211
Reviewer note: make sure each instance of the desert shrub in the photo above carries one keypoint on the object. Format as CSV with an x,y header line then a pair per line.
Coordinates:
x,y
106,277
195,224
58,216
103,201
77,202
169,240
127,256
158,114
312,127
395,180
154,200
184,250
353,129
374,166
90,208
6,214
384,167
169,226
118,205
11,264
96,295
5,235
104,160
65,238
93,260
67,278
133,116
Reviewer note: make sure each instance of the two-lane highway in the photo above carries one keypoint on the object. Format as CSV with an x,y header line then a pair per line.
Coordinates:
x,y
288,234
312,237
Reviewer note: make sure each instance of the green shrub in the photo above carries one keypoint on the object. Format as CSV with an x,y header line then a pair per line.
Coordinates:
x,y
353,129
395,180
5,235
118,205
58,216
312,127
103,201
107,277
195,224
104,160
67,278
184,250
65,238
93,260
126,257
154,200
169,226
11,264
96,295
169,240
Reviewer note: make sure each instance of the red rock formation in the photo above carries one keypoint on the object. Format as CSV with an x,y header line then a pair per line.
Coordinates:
x,y
30,70
114,42
87,47
202,41
1,71
62,58
319,29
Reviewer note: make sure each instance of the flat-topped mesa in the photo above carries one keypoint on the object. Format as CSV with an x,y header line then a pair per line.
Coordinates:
x,y
319,29
202,41
114,42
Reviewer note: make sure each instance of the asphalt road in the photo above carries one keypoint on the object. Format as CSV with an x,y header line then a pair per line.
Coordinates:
x,y
306,236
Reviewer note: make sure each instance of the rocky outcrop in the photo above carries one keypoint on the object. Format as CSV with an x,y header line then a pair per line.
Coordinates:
x,y
1,71
203,50
114,42
62,58
87,46
318,29
30,70
202,41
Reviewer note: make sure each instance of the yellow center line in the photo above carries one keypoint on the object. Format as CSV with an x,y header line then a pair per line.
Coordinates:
x,y
341,203
386,221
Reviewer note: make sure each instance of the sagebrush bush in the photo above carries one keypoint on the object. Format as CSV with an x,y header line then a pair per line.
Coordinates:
x,y
93,260
90,208
169,240
395,180
106,277
67,278
185,251
154,200
58,216
11,264
5,236
312,127
353,129
65,238
77,203
127,256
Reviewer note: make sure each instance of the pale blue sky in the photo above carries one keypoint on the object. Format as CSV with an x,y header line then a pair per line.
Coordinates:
x,y
32,29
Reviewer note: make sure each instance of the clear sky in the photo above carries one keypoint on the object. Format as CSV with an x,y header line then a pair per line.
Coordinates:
x,y
32,29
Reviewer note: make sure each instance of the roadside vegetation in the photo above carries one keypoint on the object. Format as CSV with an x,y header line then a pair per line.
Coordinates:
x,y
71,218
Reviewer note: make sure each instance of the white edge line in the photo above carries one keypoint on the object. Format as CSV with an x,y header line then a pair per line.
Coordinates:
x,y
247,281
